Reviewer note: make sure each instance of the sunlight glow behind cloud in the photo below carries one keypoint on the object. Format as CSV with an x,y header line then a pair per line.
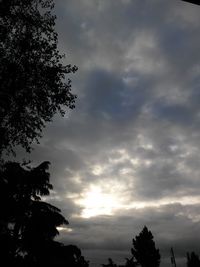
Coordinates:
x,y
96,202
106,200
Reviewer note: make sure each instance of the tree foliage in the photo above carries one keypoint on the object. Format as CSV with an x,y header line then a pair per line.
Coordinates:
x,y
110,263
144,250
28,225
193,260
130,262
32,76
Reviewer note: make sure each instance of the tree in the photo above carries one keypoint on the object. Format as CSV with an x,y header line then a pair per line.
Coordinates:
x,y
144,250
130,262
193,260
28,224
71,255
32,76
196,2
110,263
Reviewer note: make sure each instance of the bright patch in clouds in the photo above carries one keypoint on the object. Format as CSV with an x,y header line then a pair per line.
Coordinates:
x,y
97,202
109,200
64,229
97,170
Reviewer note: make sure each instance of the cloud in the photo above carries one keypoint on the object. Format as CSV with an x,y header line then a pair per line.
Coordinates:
x,y
134,135
172,226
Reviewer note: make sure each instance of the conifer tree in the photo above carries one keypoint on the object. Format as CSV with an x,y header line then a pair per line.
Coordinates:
x,y
144,250
28,225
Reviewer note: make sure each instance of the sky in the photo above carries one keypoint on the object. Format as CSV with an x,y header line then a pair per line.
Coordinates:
x,y
128,155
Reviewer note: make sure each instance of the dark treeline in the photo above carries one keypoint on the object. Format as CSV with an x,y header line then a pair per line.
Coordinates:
x,y
34,87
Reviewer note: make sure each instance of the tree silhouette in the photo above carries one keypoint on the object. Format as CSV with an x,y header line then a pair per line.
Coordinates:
x,y
71,255
144,250
130,262
32,76
28,225
197,2
110,263
193,260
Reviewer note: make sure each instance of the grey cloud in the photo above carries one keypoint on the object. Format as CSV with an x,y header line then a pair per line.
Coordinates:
x,y
108,95
137,116
171,225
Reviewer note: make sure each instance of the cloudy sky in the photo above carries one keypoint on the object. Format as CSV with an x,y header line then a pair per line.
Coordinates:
x,y
129,154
